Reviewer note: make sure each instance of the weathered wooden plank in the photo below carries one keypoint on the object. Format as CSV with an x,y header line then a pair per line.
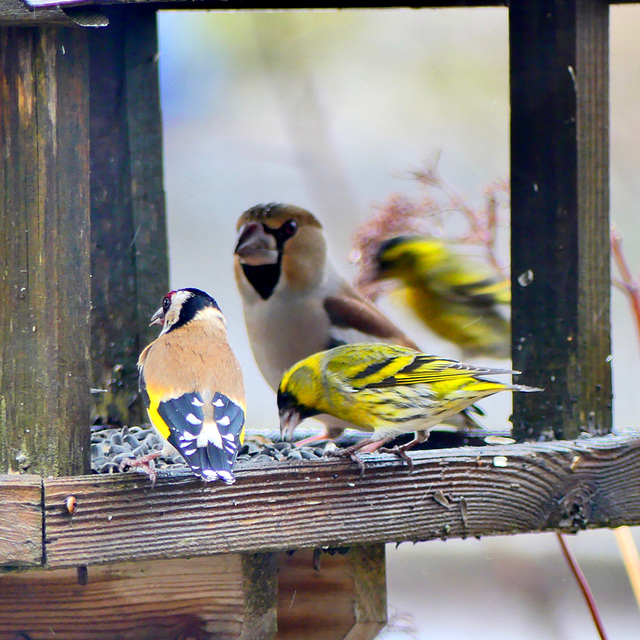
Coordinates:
x,y
129,259
44,251
21,521
451,493
156,600
14,12
343,598
560,215
314,604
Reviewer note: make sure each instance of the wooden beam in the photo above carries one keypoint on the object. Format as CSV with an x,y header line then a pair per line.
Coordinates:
x,y
129,259
44,251
43,12
471,491
560,216
370,587
198,598
21,521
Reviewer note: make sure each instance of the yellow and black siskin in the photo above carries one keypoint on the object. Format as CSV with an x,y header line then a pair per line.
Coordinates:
x,y
457,297
383,388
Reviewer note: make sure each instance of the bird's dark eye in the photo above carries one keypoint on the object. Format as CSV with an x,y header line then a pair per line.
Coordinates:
x,y
166,303
289,228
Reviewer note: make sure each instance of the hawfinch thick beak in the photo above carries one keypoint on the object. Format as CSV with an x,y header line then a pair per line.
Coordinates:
x,y
157,317
255,246
289,420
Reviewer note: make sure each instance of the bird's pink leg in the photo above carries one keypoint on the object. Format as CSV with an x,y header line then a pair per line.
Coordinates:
x,y
143,463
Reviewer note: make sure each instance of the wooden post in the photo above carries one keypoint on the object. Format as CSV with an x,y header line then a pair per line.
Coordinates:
x,y
44,250
129,262
560,222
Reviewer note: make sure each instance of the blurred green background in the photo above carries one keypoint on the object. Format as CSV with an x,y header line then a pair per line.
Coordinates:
x,y
331,110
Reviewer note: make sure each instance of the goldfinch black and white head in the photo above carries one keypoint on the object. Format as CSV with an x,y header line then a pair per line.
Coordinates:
x,y
181,306
192,385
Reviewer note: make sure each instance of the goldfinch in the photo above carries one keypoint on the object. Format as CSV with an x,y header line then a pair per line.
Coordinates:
x,y
295,302
457,298
192,384
383,388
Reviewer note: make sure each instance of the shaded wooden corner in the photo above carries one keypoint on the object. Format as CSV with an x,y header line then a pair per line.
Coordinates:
x,y
337,593
239,596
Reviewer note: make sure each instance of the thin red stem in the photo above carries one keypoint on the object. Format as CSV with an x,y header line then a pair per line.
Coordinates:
x,y
584,586
629,283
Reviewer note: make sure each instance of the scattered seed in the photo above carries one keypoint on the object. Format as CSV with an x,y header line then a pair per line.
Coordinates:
x,y
464,512
441,499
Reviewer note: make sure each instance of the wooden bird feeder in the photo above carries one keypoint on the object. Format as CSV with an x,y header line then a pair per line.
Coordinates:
x,y
83,235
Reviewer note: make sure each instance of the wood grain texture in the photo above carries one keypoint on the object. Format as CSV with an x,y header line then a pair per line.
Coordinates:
x,y
370,591
451,493
15,12
129,257
44,251
192,599
560,216
21,521
314,604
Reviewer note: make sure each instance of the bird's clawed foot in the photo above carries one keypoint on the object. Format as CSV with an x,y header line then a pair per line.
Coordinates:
x,y
401,452
143,462
351,453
